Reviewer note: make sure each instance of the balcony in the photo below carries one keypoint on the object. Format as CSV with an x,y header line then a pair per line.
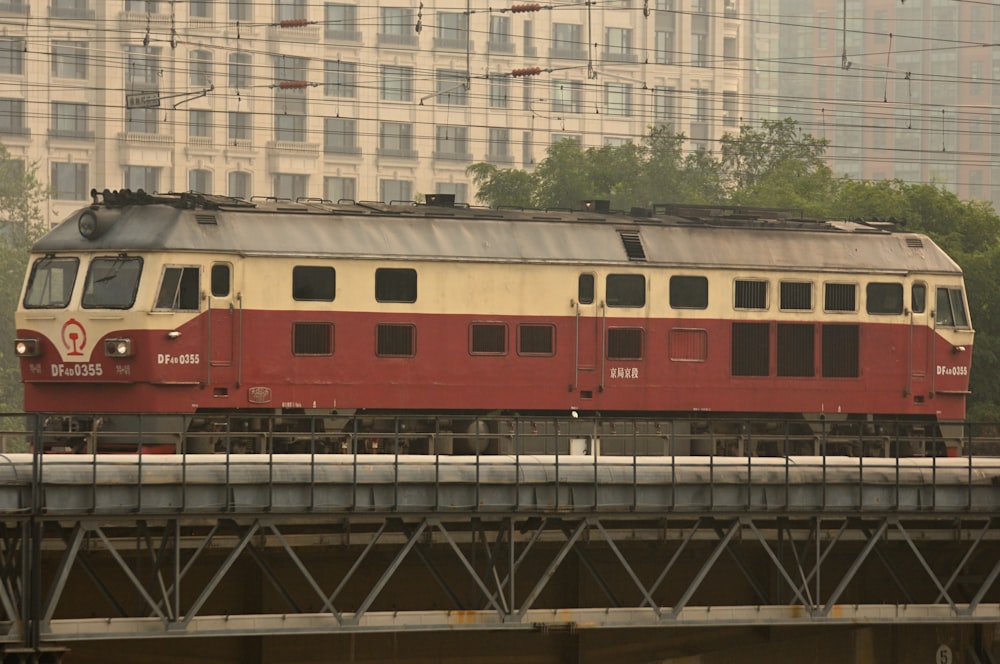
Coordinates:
x,y
73,134
342,35
500,46
306,34
72,13
386,39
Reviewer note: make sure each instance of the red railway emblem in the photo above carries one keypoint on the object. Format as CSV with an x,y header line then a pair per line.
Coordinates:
x,y
74,337
259,395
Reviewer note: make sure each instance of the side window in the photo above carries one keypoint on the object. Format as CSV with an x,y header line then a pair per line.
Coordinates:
x,y
312,338
795,296
840,297
625,343
951,308
179,289
884,298
220,280
488,339
395,284
313,282
535,339
626,290
918,298
688,292
395,340
585,289
750,294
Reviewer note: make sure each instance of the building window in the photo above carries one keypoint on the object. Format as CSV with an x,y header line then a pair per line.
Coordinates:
x,y
618,98
452,142
70,120
487,339
340,79
729,45
396,139
701,105
795,296
142,67
796,350
200,181
314,283
567,41
395,190
452,30
141,120
200,123
240,10
499,37
201,68
397,83
397,26
499,91
618,45
239,126
339,189
312,338
840,351
663,104
240,70
179,289
750,294
341,22
78,9
664,54
625,343
626,290
498,148
394,284
290,125
688,292
534,339
340,136
239,184
452,87
201,8
12,55
567,97
146,178
69,59
730,112
291,186
290,10
884,298
141,6
840,297
70,181
751,349
699,40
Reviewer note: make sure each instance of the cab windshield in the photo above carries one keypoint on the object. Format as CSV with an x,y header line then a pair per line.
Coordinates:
x,y
112,282
50,284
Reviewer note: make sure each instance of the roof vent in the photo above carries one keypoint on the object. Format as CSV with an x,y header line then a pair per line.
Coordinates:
x,y
914,243
205,219
633,245
443,200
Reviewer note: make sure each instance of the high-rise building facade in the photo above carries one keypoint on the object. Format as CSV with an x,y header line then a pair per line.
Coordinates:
x,y
901,90
349,100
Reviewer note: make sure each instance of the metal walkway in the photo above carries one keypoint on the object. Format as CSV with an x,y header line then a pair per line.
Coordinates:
x,y
118,547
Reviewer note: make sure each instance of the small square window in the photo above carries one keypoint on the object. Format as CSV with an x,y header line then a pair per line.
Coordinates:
x,y
313,282
395,284
312,339
395,340
488,339
750,294
626,290
796,296
625,343
840,297
688,292
536,339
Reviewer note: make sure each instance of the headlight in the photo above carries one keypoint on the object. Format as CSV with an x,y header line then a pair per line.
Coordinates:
x,y
26,347
87,224
118,347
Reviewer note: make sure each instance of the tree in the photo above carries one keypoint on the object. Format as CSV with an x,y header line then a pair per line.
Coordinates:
x,y
757,156
21,196
502,187
563,179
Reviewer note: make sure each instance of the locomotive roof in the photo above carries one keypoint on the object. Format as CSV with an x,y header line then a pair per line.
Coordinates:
x,y
670,236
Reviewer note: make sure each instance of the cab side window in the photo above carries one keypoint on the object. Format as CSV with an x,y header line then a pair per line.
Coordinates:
x,y
178,289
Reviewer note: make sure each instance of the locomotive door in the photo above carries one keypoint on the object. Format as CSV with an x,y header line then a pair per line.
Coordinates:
x,y
921,338
586,373
223,322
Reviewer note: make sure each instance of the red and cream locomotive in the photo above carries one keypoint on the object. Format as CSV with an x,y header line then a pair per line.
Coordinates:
x,y
195,306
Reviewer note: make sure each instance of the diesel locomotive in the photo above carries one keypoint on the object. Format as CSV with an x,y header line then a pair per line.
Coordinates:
x,y
270,313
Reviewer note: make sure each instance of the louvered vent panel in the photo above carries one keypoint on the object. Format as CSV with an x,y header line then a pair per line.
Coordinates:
x,y
914,243
205,218
633,245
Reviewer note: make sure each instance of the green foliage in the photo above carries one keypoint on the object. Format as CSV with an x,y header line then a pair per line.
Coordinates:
x,y
760,156
20,225
506,187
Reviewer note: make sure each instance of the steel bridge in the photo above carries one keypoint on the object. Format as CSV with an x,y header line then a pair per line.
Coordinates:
x,y
113,547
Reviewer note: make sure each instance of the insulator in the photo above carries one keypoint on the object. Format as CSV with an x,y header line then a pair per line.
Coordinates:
x,y
293,85
293,23
527,7
526,71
